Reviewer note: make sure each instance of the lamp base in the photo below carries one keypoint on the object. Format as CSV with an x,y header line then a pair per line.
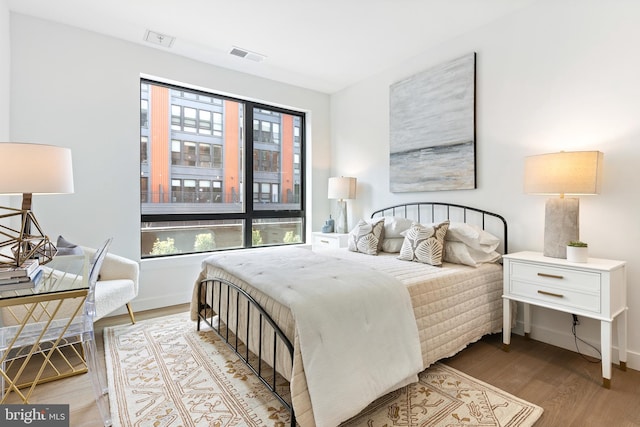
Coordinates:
x,y
23,243
341,220
561,225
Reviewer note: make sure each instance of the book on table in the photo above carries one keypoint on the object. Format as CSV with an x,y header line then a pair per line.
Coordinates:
x,y
24,282
25,270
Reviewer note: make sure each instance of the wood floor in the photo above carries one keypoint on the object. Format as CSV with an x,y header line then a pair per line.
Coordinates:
x,y
567,386
562,382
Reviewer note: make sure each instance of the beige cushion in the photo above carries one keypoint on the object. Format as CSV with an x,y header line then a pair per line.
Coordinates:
x,y
424,243
366,237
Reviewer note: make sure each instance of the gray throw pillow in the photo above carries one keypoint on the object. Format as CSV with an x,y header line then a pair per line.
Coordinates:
x,y
67,248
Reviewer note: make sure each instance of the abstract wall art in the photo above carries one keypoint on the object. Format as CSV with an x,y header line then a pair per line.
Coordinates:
x,y
432,129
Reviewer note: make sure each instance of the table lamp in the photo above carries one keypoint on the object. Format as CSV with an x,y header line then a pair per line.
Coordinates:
x,y
29,169
564,173
342,188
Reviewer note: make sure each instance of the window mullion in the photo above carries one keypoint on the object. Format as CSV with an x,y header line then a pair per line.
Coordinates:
x,y
248,174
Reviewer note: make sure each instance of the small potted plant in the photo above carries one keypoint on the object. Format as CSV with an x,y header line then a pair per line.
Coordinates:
x,y
577,251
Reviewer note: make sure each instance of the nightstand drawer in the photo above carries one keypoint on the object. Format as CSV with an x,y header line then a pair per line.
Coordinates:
x,y
558,296
564,287
329,240
559,278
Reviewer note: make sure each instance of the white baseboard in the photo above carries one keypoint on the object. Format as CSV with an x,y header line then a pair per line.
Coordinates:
x,y
566,340
150,303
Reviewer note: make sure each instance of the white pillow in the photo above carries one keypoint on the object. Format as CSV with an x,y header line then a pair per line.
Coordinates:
x,y
424,243
366,237
392,245
460,253
395,226
473,236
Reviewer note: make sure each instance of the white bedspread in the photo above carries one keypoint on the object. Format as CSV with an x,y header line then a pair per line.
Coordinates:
x,y
350,323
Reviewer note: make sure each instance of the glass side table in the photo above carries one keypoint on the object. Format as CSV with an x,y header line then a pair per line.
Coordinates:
x,y
43,328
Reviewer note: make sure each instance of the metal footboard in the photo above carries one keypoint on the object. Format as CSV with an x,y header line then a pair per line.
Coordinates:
x,y
231,301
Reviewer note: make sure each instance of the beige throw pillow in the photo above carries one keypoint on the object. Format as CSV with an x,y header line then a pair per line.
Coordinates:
x,y
366,237
424,243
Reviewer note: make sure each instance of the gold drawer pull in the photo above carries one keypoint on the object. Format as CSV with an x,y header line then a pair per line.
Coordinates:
x,y
551,294
553,276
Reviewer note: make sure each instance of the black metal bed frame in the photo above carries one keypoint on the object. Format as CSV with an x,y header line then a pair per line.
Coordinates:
x,y
209,288
440,211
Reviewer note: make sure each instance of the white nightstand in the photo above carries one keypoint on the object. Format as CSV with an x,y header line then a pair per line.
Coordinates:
x,y
596,289
329,240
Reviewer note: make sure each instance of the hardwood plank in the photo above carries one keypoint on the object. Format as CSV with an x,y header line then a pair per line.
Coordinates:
x,y
562,382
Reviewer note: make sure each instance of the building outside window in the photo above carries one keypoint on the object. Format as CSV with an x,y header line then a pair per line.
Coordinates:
x,y
200,192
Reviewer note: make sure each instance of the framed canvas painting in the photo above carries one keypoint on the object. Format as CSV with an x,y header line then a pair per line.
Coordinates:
x,y
432,129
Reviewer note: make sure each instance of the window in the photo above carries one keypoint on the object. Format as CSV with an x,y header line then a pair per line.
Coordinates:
x,y
296,135
199,191
144,149
188,119
217,124
267,131
217,156
144,190
144,105
144,113
204,122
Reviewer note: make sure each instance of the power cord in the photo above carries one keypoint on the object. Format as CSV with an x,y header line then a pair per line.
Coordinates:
x,y
589,359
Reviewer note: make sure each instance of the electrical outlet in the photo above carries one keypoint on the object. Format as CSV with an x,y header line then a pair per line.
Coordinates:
x,y
575,320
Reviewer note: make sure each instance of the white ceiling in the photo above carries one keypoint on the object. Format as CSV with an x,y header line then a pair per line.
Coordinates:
x,y
324,45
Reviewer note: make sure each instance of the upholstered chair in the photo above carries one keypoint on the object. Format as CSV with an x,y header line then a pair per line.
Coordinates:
x,y
117,284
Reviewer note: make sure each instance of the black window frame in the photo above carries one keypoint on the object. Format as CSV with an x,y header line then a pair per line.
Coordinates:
x,y
250,214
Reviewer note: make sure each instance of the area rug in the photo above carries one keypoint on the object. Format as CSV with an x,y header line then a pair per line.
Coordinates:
x,y
163,373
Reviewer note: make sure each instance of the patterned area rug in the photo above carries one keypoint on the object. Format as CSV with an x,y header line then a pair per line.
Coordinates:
x,y
162,372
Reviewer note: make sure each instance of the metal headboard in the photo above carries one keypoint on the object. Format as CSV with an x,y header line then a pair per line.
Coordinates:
x,y
428,212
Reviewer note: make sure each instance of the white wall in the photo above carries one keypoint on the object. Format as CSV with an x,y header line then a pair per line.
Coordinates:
x,y
5,64
5,87
80,90
554,76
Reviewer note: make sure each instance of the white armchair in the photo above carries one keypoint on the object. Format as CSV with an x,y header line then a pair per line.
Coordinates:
x,y
117,284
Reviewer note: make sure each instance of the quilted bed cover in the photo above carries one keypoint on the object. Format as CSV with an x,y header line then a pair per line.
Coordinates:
x,y
454,305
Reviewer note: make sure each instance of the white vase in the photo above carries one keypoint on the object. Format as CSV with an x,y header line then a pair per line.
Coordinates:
x,y
577,254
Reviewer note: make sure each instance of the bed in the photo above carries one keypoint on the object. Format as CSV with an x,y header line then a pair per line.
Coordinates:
x,y
405,311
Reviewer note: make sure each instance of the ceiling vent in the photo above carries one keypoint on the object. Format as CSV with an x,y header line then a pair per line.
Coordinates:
x,y
244,53
159,38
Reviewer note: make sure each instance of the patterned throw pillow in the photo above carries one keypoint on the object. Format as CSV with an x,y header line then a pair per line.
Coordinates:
x,y
366,237
424,243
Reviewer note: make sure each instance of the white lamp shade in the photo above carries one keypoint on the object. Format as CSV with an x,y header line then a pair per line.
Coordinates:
x,y
35,169
576,172
342,188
